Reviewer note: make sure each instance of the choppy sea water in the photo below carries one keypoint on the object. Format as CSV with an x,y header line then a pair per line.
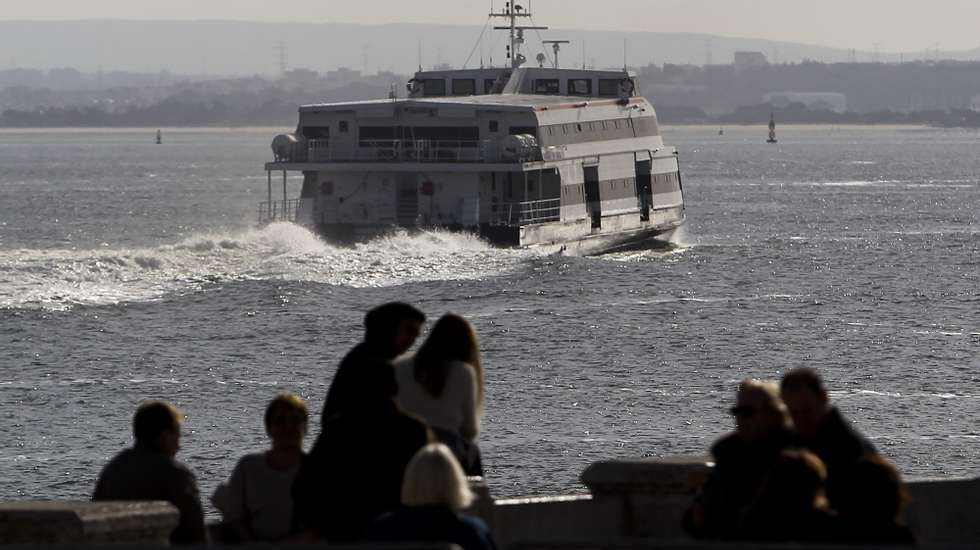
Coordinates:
x,y
130,270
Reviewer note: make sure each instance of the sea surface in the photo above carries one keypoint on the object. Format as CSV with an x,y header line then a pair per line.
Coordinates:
x,y
130,270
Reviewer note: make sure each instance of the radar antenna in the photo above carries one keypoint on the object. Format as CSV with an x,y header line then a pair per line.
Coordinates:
x,y
556,47
513,12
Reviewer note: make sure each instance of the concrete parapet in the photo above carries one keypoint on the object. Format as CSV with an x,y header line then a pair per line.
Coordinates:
x,y
542,519
84,522
650,496
944,511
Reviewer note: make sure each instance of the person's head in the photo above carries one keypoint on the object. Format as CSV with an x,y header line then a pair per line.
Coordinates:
x,y
806,398
434,478
796,482
871,490
156,425
451,339
392,328
758,410
286,421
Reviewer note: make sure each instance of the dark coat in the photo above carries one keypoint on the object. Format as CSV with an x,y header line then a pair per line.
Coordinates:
x,y
141,473
740,470
344,388
839,446
354,472
431,524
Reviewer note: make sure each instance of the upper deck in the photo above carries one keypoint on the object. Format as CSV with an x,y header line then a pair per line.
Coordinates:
x,y
530,116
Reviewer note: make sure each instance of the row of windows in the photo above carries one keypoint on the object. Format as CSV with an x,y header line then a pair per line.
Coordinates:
x,y
608,87
597,126
323,132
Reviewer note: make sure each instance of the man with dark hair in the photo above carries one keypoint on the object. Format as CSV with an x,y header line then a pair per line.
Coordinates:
x,y
821,427
354,471
389,330
149,471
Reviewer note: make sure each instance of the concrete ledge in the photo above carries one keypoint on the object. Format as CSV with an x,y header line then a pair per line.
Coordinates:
x,y
85,522
945,511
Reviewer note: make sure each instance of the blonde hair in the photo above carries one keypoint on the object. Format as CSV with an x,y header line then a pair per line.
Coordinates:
x,y
434,477
774,402
286,402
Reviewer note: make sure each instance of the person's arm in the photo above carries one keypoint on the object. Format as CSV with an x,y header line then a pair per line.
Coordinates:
x,y
235,514
185,496
471,420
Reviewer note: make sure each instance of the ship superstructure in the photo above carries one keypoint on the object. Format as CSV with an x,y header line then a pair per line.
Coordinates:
x,y
523,156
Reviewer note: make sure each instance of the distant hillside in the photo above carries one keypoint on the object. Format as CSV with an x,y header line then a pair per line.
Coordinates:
x,y
245,48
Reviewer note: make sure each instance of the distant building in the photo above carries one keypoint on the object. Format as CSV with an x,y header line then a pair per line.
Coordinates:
x,y
749,60
831,101
975,104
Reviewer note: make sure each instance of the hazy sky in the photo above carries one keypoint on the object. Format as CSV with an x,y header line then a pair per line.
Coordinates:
x,y
891,25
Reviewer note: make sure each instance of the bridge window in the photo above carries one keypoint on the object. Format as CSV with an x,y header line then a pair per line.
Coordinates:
x,y
488,85
464,86
580,86
434,87
494,126
316,132
344,126
547,86
609,87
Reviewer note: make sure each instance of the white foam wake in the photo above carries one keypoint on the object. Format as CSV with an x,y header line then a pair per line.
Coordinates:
x,y
60,279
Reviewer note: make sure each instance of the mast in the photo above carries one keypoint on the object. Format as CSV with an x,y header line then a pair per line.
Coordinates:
x,y
513,12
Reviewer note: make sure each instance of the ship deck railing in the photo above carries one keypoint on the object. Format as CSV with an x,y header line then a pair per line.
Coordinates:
x,y
278,211
408,150
527,212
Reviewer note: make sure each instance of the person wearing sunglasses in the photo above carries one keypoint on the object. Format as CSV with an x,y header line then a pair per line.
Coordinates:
x,y
742,459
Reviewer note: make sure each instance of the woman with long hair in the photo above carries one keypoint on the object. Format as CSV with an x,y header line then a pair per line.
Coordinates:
x,y
443,385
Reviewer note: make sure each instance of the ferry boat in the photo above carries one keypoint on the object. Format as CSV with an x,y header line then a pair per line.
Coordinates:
x,y
545,157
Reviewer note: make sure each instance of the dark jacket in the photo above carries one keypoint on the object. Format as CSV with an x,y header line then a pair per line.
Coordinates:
x,y
740,470
354,472
839,446
344,387
771,522
431,524
141,473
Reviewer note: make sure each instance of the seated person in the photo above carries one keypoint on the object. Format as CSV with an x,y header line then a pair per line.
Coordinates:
x,y
256,503
821,428
148,471
443,385
792,504
871,501
434,493
742,461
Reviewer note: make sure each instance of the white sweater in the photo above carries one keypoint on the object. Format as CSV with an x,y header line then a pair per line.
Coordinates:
x,y
455,410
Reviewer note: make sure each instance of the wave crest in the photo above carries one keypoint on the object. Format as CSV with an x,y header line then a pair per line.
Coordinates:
x,y
60,279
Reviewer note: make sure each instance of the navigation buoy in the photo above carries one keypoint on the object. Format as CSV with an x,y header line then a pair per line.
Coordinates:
x,y
772,129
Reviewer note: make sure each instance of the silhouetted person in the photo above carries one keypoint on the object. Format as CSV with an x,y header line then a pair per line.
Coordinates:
x,y
443,385
820,427
354,472
434,493
149,471
257,503
870,503
389,330
742,461
792,505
